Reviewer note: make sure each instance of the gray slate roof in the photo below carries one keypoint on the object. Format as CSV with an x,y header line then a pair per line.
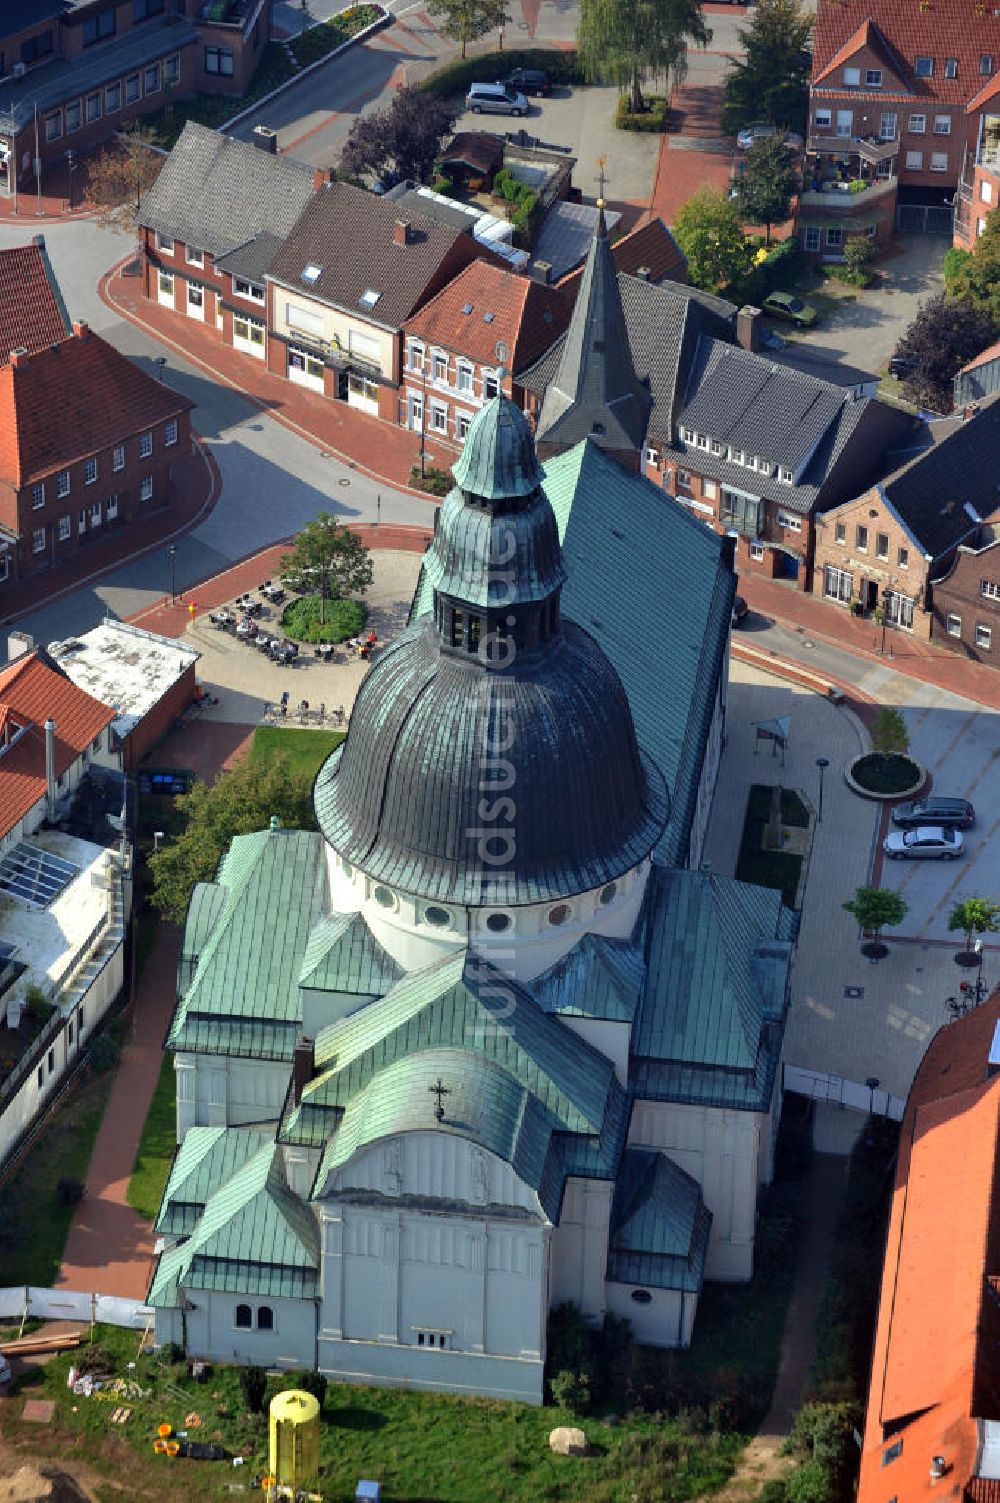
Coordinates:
x,y
350,235
252,259
218,193
565,234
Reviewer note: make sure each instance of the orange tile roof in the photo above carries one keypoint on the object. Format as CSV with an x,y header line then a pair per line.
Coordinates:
x,y
73,399
945,28
868,35
30,693
992,352
936,1366
527,316
31,310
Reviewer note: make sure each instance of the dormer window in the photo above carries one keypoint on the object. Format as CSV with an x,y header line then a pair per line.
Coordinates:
x,y
369,298
923,67
311,273
786,476
689,436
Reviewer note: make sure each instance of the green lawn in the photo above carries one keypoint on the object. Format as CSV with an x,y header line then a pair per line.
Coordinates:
x,y
155,1153
306,750
33,1225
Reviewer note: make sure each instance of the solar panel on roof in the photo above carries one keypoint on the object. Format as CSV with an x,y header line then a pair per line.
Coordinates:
x,y
35,875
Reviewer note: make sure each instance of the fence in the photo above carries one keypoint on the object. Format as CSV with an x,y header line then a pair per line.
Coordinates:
x,y
924,219
23,1302
847,1093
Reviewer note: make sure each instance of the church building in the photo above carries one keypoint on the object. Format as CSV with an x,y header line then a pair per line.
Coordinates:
x,y
490,1039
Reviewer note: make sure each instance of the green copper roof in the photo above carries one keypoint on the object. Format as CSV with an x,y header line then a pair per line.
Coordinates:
x,y
254,1236
659,1225
204,1161
249,932
712,1014
498,458
599,978
343,955
651,583
497,556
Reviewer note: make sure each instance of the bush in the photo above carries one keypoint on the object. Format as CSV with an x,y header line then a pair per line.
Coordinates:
x,y
105,1051
174,1353
653,119
809,1483
38,1006
69,1191
317,41
782,262
442,184
954,260
344,619
572,1390
253,1385
435,482
455,78
775,1491
314,1383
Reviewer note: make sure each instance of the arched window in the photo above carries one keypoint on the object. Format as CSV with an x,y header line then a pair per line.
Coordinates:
x,y
244,1317
265,1318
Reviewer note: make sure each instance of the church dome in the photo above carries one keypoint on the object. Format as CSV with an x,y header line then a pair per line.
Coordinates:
x,y
491,757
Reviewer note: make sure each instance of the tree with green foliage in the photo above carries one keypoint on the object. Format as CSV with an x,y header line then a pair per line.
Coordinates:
x,y
466,21
890,737
767,184
858,252
327,560
946,333
975,277
974,916
238,803
709,230
405,138
628,42
771,81
876,907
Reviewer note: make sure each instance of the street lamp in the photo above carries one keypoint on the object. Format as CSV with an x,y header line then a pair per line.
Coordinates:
x,y
822,763
873,1084
160,362
158,835
172,555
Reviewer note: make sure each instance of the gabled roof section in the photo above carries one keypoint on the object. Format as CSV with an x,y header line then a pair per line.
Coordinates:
x,y
217,193
649,251
989,91
73,399
350,239
30,693
206,1158
32,311
713,1006
901,31
870,37
659,1225
486,305
599,978
243,996
595,390
343,955
254,1237
939,494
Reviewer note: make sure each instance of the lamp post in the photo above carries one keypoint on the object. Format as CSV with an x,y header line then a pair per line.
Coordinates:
x,y
172,555
160,362
822,763
873,1084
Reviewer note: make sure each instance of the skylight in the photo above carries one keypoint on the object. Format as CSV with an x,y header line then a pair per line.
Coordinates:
x,y
312,272
488,318
369,298
467,308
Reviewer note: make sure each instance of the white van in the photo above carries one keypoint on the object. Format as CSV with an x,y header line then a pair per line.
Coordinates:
x,y
495,99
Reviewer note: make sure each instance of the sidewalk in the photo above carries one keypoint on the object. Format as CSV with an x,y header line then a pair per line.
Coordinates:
x,y
33,208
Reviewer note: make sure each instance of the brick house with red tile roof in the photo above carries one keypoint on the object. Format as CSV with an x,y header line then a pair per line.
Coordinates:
x,y
31,693
893,82
87,443
485,319
32,312
933,1415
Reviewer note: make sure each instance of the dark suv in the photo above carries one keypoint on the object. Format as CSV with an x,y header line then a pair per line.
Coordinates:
x,y
530,81
951,813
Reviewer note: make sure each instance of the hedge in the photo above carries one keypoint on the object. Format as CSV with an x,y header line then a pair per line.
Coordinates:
x,y
455,78
783,261
652,119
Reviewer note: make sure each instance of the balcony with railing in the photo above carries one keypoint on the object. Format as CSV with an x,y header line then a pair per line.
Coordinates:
x,y
846,198
870,149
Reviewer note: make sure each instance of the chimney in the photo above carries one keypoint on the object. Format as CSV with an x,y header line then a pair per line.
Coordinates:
x,y
401,232
645,274
50,768
19,356
81,330
322,178
970,411
303,1064
541,271
748,328
274,823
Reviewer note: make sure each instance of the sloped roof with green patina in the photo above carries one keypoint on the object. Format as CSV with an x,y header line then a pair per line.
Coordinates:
x,y
204,1161
707,1028
243,997
205,908
659,1225
253,1229
343,955
463,1003
599,978
498,459
652,584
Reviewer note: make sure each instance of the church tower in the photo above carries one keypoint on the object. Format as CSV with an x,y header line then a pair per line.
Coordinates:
x,y
596,393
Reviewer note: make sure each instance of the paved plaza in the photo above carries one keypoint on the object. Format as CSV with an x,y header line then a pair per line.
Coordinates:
x,y
851,1019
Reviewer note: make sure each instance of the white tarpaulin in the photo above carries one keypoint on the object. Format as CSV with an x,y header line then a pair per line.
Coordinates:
x,y
59,1304
12,1302
69,1304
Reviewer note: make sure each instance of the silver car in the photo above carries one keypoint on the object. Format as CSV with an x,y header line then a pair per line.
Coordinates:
x,y
495,99
926,843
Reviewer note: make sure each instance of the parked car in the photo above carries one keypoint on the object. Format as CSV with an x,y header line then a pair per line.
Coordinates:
x,y
784,305
926,843
530,81
751,134
495,99
900,366
952,813
740,610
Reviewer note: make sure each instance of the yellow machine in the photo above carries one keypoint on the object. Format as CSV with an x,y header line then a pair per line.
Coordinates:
x,y
294,1435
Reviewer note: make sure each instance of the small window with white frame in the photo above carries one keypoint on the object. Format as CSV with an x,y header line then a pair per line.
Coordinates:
x,y
62,484
716,446
491,385
785,475
464,377
145,445
439,365
38,540
953,624
169,432
823,119
903,558
252,290
942,125
917,125
914,161
834,237
165,243
90,471
839,532
146,488
923,66
990,589
118,457
112,508
789,522
757,551
984,637
38,495
65,528
812,237
415,355
939,161
651,457
710,490
194,256
852,78
689,436
873,78
951,67
439,417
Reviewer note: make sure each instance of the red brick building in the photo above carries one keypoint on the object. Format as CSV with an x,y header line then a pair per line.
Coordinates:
x,y
472,339
32,312
967,597
899,90
87,444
